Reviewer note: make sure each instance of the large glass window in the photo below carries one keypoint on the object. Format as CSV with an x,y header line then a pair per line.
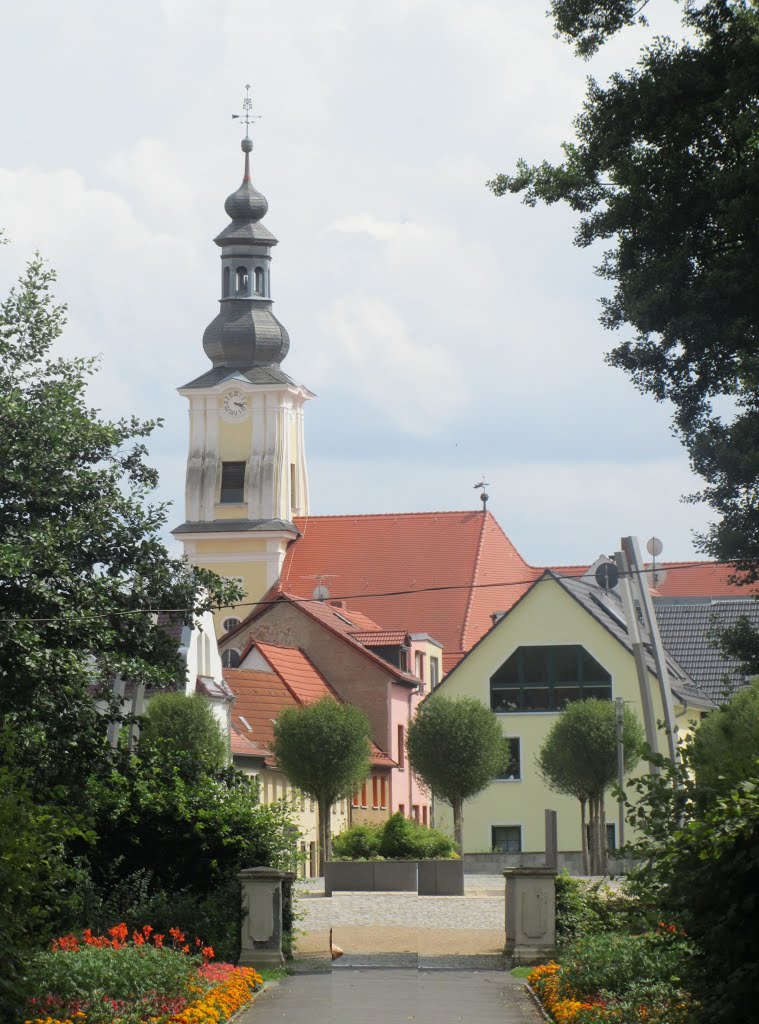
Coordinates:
x,y
547,679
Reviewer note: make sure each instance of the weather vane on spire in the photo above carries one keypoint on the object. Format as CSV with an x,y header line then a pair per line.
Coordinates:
x,y
246,117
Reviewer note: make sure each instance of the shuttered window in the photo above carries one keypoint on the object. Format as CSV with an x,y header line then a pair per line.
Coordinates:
x,y
232,483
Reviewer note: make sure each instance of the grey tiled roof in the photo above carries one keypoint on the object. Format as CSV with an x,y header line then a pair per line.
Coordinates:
x,y
607,609
687,631
237,526
255,375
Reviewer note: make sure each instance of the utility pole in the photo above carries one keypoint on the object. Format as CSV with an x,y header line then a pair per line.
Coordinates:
x,y
632,554
639,653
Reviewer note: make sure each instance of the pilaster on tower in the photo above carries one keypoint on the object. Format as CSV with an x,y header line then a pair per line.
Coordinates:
x,y
246,464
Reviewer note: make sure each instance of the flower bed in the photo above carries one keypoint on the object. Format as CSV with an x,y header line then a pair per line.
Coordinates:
x,y
112,979
618,979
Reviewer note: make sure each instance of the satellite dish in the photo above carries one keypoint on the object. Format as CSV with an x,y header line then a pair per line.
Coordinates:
x,y
607,576
321,593
654,547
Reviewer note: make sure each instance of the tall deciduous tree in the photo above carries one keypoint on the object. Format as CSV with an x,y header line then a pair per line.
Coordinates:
x,y
82,565
457,748
324,750
579,758
665,166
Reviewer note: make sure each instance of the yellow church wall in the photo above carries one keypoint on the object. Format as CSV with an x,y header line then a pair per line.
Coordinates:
x,y
547,615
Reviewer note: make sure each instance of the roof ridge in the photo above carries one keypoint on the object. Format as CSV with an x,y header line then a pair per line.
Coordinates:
x,y
470,595
395,515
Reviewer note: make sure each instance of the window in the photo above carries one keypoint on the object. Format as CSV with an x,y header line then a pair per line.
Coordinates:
x,y
293,491
611,837
513,770
419,665
229,624
259,279
547,679
434,672
355,800
232,483
230,658
424,815
402,809
225,290
383,792
506,838
242,281
403,659
415,812
401,747
375,791
363,795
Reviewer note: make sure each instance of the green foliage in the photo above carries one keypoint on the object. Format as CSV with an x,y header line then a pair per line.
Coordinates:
x,y
590,908
82,563
610,965
359,842
399,837
664,169
700,870
579,757
456,747
125,973
33,883
726,744
324,749
184,731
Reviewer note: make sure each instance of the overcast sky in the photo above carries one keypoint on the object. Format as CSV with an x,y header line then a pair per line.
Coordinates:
x,y
446,333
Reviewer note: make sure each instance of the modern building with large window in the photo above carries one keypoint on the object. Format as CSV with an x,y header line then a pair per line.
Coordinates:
x,y
565,640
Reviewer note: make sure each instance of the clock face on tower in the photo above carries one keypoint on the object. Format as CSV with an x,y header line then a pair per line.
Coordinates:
x,y
235,405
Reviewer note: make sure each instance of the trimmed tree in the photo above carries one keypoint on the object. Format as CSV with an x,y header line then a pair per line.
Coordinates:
x,y
455,745
725,748
579,758
185,730
323,749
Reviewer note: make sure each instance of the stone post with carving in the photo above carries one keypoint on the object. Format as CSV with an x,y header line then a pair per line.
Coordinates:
x,y
530,913
261,936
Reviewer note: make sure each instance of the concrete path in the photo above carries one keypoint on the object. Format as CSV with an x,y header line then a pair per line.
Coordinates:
x,y
379,996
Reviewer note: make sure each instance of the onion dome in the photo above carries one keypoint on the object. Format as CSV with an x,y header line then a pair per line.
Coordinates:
x,y
246,334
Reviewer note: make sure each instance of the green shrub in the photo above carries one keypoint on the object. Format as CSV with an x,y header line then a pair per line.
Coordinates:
x,y
610,964
398,839
359,842
588,908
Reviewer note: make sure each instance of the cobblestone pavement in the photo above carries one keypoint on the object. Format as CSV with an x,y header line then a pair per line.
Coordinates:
x,y
403,929
393,996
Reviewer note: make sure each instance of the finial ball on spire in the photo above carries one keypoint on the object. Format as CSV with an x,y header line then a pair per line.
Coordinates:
x,y
246,145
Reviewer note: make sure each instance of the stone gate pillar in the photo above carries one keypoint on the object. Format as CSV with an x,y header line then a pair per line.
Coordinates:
x,y
530,913
261,932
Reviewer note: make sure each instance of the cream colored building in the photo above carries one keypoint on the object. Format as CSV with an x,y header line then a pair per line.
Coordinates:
x,y
565,639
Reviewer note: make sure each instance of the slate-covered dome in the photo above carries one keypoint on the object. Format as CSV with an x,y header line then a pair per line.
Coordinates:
x,y
244,335
246,203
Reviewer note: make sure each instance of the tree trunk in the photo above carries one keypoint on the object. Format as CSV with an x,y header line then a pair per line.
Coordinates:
x,y
584,833
458,825
593,835
325,835
603,862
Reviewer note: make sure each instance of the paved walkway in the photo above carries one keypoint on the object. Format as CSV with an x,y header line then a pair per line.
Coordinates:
x,y
395,997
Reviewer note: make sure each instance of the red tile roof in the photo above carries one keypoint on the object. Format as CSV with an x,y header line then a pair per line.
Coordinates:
x,y
302,678
381,637
441,573
261,696
699,579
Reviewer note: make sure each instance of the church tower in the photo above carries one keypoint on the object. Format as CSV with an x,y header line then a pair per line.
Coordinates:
x,y
246,465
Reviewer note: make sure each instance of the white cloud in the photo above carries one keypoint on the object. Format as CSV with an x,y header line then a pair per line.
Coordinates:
x,y
407,382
